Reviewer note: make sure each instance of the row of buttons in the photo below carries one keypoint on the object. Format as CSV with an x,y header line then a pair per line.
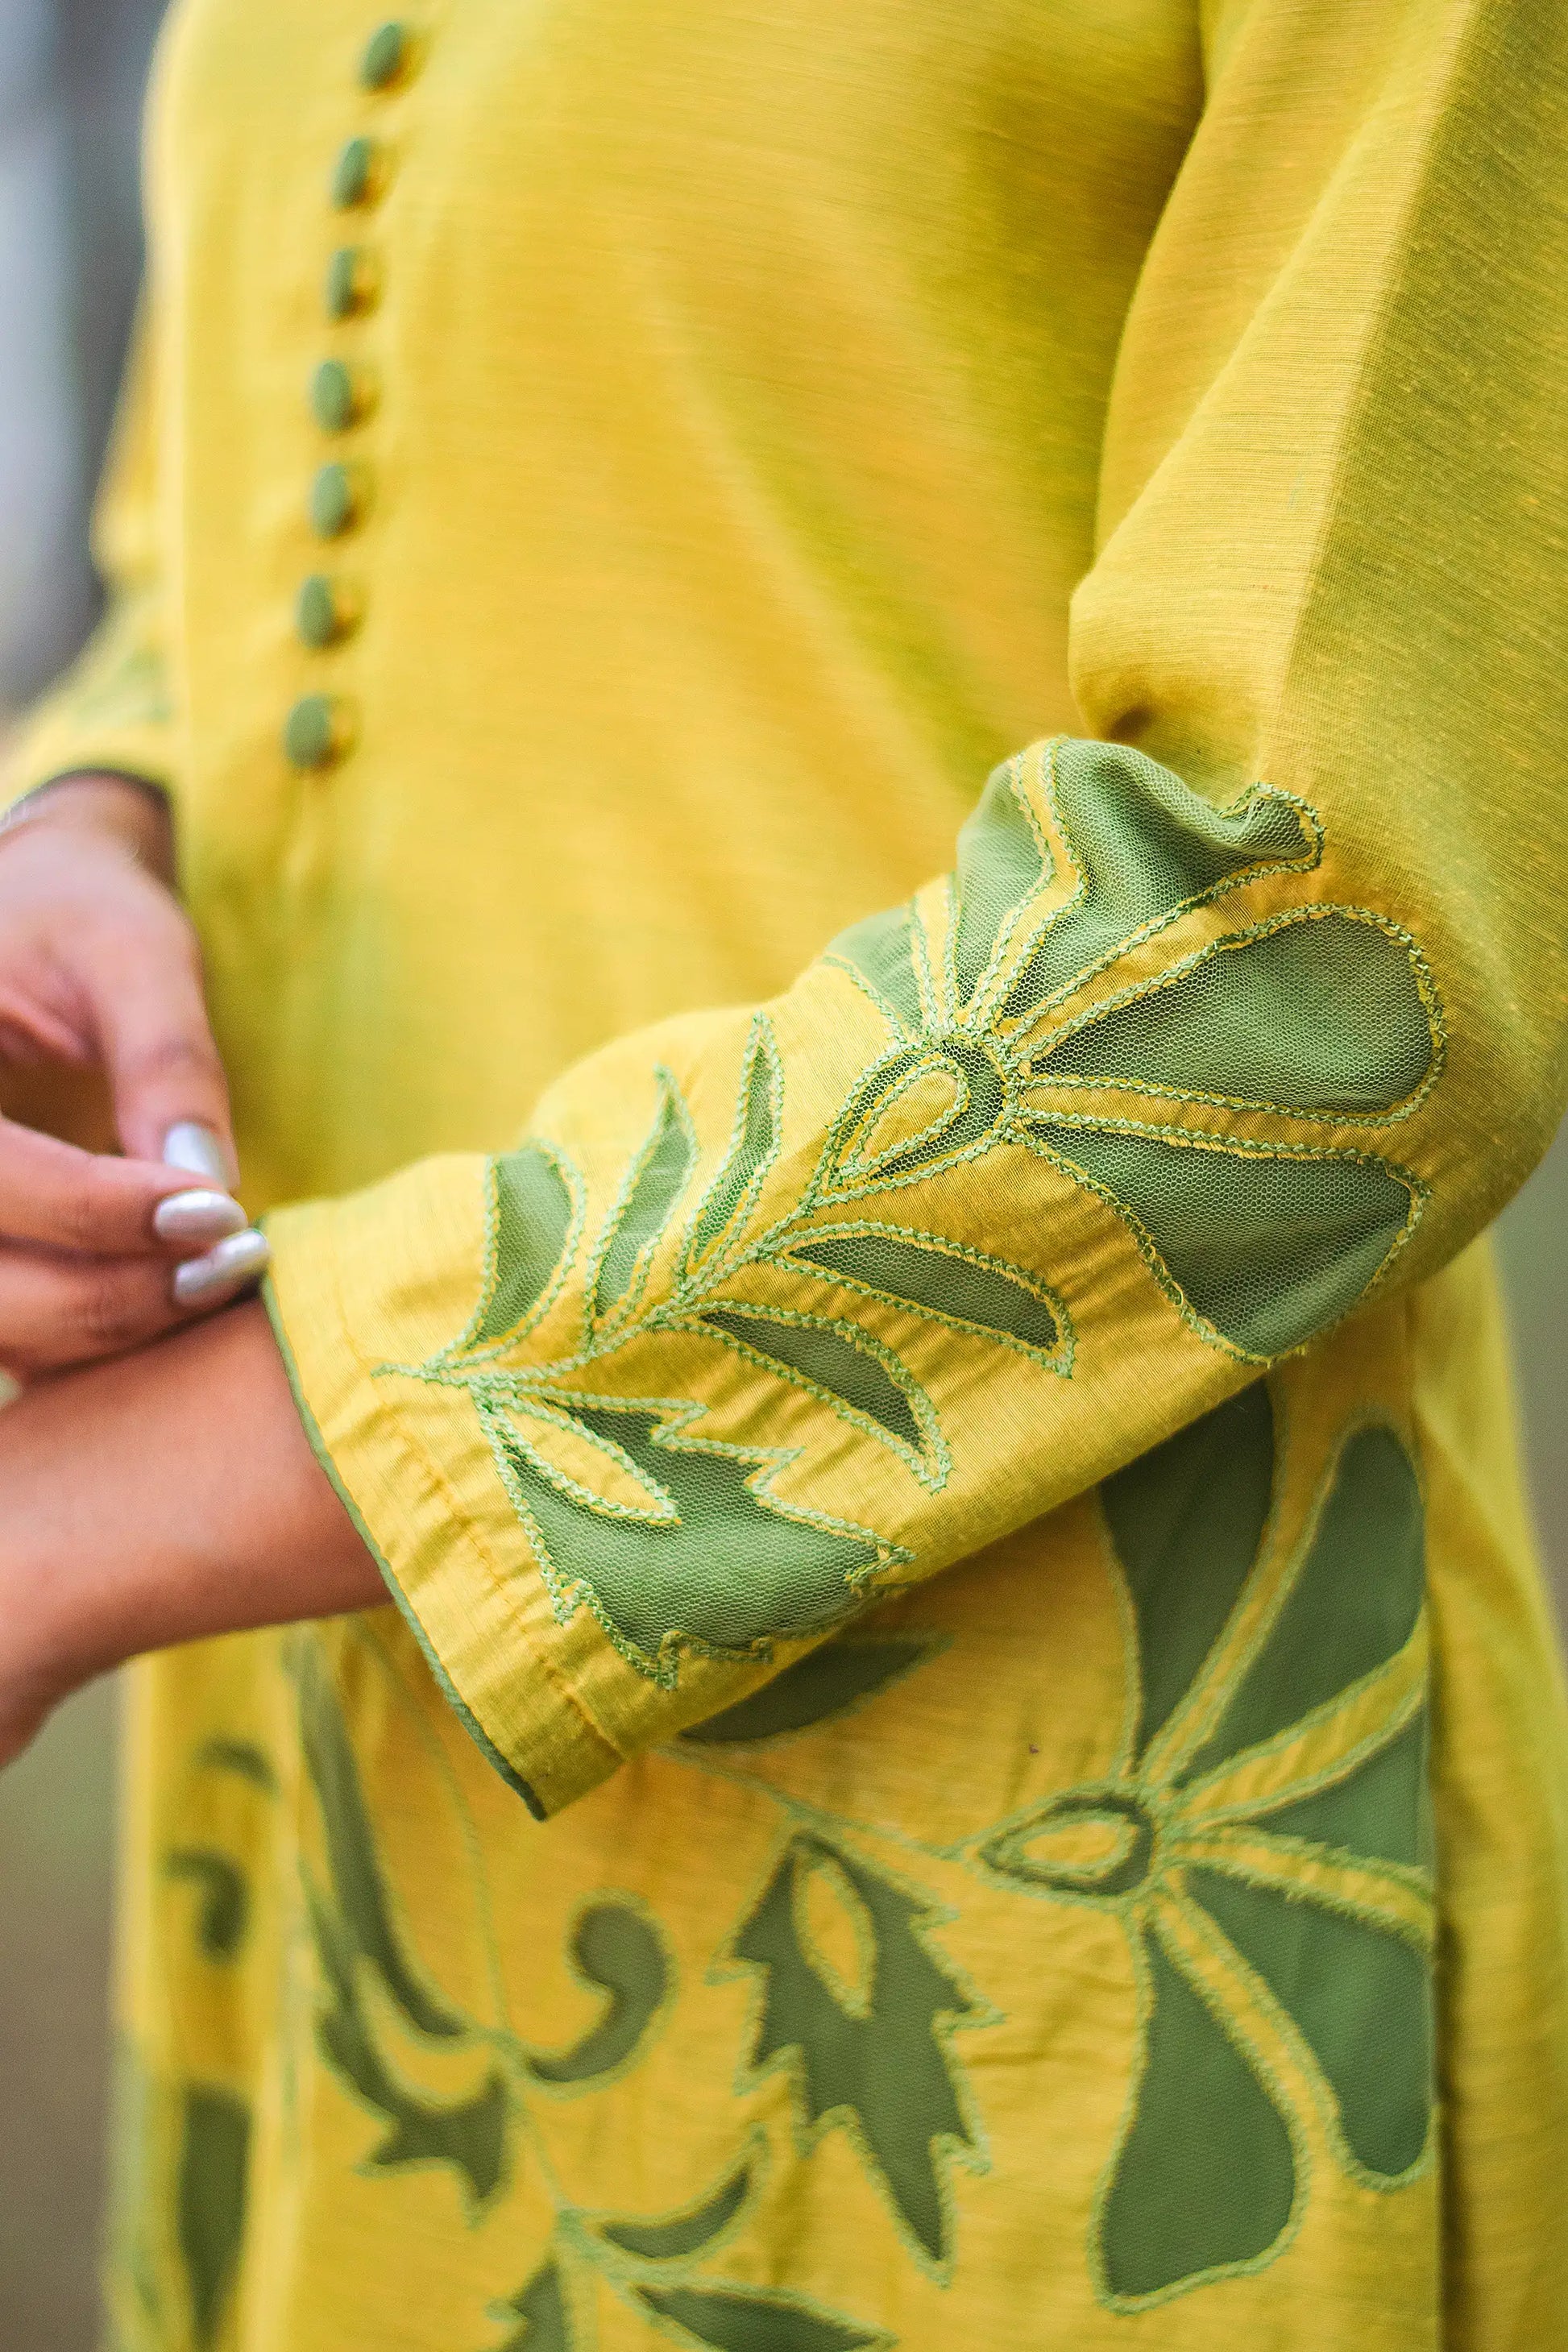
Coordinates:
x,y
318,730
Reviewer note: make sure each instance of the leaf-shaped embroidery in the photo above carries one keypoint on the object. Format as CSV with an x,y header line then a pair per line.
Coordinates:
x,y
531,1216
734,1570
1265,1247
225,1908
654,1183
1145,846
929,1274
753,2319
978,1083
828,1681
210,2200
734,1189
676,2235
586,1466
1204,2179
546,2314
880,952
616,1952
1002,858
867,2047
1322,1012
837,1361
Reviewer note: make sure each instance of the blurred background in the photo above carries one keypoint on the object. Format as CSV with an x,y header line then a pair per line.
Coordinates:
x,y
70,79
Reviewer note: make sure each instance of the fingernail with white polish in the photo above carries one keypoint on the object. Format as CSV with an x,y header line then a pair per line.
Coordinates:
x,y
200,1151
199,1216
234,1263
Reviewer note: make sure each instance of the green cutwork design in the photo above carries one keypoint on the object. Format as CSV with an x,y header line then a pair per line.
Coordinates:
x,y
690,2232
543,2310
863,2034
210,2202
616,1951
1305,1892
242,1757
223,1912
748,2319
1253,1050
832,1680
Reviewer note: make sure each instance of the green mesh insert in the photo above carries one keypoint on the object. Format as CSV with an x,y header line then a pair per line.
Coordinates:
x,y
828,1359
616,1950
825,1683
1204,2179
684,2233
750,2319
210,2202
532,1216
1361,2000
1145,845
1187,1520
543,2309
731,1571
878,949
1320,1015
883,2064
1354,1606
936,1279
1381,1811
661,1178
1268,1249
1000,861
751,1155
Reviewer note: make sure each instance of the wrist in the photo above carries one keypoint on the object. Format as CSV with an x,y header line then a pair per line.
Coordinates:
x,y
127,810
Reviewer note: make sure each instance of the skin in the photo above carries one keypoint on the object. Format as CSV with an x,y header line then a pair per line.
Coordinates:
x,y
159,1487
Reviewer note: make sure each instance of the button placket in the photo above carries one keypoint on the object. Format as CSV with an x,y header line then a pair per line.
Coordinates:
x,y
320,730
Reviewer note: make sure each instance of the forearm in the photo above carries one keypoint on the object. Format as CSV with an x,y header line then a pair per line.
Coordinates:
x,y
162,1497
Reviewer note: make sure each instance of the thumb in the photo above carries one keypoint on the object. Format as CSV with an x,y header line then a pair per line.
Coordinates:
x,y
148,1011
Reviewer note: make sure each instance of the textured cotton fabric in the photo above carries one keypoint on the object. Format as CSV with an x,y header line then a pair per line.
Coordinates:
x,y
969,1750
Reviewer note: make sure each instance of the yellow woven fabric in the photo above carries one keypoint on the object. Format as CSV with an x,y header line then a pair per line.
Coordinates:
x,y
972,1489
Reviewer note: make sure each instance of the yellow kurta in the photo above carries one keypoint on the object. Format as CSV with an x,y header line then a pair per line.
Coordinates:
x,y
967,1626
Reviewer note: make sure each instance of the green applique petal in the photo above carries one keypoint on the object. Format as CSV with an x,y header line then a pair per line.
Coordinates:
x,y
1265,1247
1205,2180
734,1570
616,1951
928,1275
1353,1605
1322,1014
864,2036
545,2315
1381,1811
978,1097
1002,858
838,1361
683,2233
214,2156
532,1213
1145,846
1187,1519
880,950
750,2319
828,1682
751,1153
225,1910
1361,2000
654,1183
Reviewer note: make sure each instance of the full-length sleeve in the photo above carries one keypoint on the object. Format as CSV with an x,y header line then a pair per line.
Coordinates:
x,y
1243,1007
113,710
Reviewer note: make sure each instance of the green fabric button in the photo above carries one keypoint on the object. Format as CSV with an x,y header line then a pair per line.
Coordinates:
x,y
337,399
387,54
335,501
351,284
355,173
325,611
316,731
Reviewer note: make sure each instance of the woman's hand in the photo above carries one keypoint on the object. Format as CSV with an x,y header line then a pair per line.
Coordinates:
x,y
165,1497
98,966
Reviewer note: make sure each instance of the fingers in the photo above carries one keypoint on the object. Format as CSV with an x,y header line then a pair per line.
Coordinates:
x,y
59,1197
56,1310
145,1000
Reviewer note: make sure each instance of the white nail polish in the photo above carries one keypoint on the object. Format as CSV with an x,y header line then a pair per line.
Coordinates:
x,y
199,1151
233,1263
198,1216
